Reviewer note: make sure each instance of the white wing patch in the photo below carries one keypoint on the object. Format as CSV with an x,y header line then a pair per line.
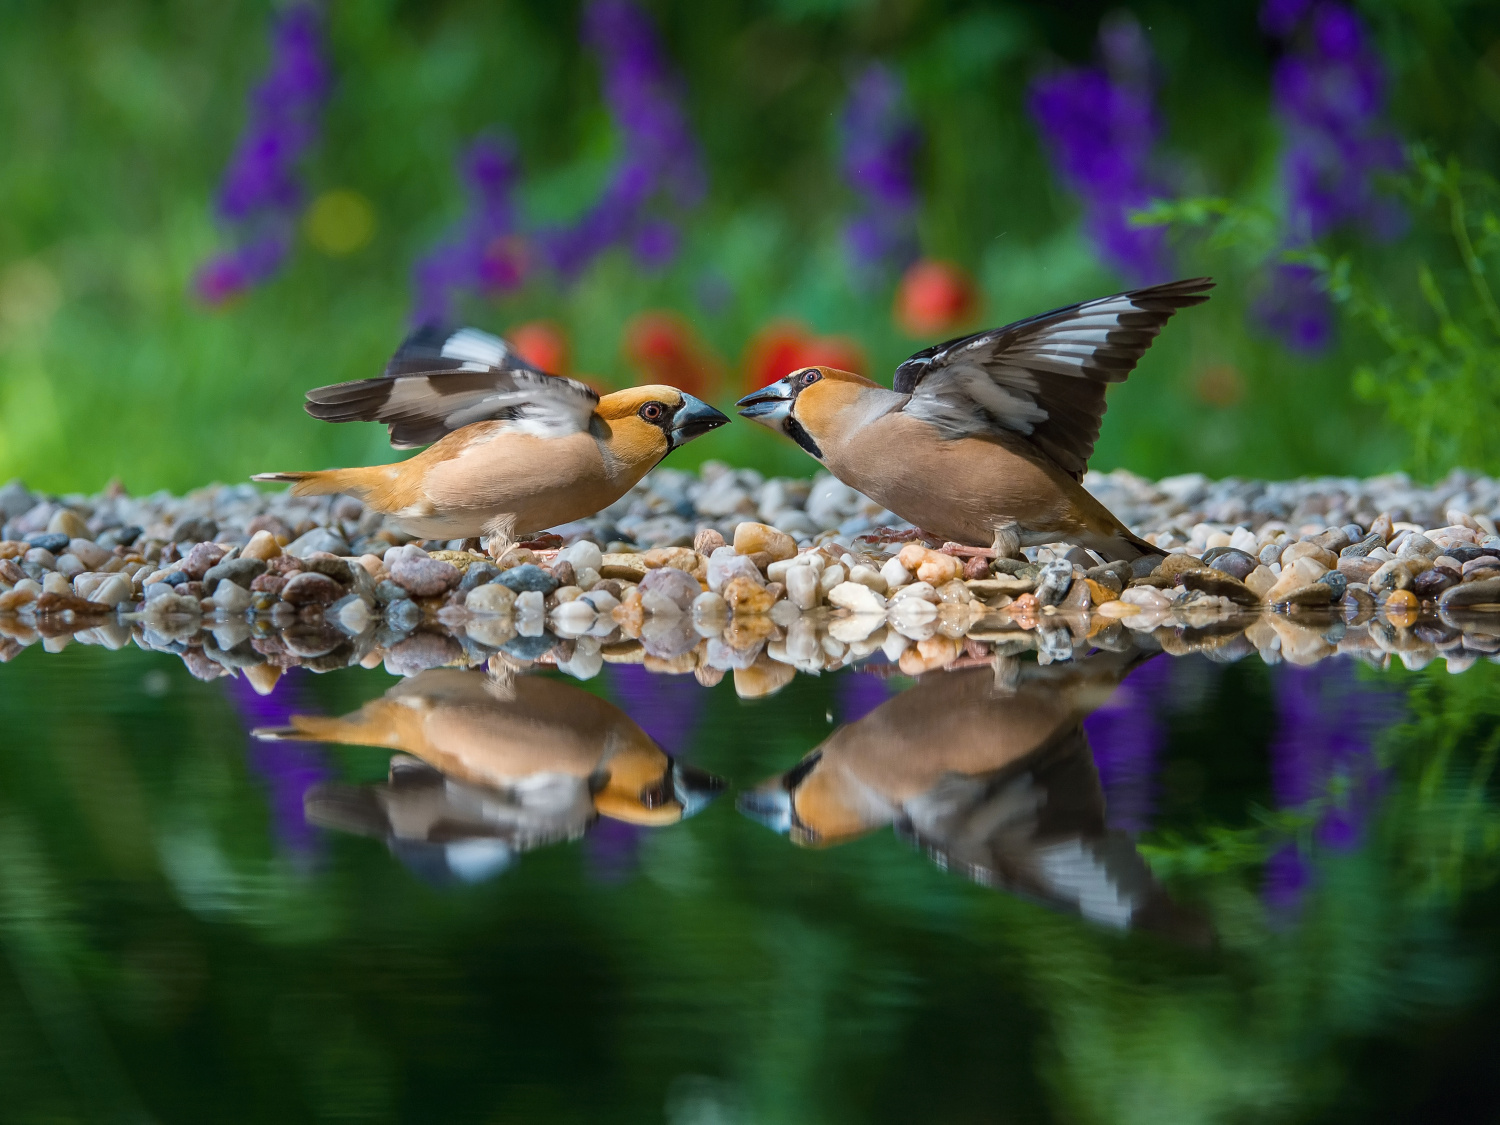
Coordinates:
x,y
475,349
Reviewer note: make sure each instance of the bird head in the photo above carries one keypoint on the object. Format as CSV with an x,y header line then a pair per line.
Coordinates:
x,y
646,423
815,803
640,785
806,405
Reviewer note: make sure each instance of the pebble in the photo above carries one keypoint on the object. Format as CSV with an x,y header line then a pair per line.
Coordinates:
x,y
240,571
677,586
422,576
262,546
746,596
493,598
752,538
230,597
318,539
478,574
309,588
529,603
70,525
856,597
1053,582
726,564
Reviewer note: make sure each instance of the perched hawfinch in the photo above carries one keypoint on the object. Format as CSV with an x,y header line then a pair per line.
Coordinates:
x,y
496,768
514,450
989,771
985,439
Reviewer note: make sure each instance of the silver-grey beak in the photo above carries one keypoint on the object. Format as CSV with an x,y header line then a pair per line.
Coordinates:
x,y
769,406
694,418
769,805
694,788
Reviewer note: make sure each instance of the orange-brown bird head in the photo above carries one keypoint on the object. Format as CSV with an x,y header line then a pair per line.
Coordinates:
x,y
807,405
640,785
816,804
646,423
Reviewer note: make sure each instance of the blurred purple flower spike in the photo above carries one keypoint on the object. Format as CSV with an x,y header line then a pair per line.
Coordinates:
x,y
660,163
1126,736
481,253
1100,128
1329,91
260,196
1324,751
289,769
879,140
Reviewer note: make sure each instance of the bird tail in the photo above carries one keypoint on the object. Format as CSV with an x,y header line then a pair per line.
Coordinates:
x,y
323,482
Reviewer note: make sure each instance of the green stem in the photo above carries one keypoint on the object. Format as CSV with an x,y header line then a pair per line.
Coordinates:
x,y
1466,247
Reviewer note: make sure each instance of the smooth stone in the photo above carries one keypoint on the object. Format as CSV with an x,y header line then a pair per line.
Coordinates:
x,y
709,606
1417,545
241,571
530,603
1220,584
1335,539
1307,549
1430,583
425,577
351,614
492,598
197,530
1483,592
318,539
1362,548
856,597
1146,597
53,542
69,564
88,552
1314,593
829,577
524,579
231,597
68,523
708,540
308,587
55,583
1235,563
584,555
602,600
403,614
262,546
868,576
656,604
1173,565
119,536
340,570
573,618
1383,526
895,574
387,591
477,575
751,538
421,651
677,586
1270,553
1358,568
529,645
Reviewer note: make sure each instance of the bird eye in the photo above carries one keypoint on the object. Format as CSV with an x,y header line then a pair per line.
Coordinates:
x,y
809,377
653,412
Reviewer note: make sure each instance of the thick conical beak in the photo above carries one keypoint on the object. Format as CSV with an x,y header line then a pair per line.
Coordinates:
x,y
694,418
770,406
769,805
694,788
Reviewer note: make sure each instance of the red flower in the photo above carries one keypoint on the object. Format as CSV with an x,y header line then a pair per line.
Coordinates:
x,y
935,297
542,343
663,348
784,346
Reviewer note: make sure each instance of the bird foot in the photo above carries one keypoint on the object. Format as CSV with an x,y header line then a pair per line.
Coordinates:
x,y
963,551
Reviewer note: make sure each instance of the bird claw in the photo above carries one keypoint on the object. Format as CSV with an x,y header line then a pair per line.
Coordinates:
x,y
960,550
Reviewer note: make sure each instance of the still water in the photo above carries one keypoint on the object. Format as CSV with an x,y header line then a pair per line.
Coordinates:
x,y
1127,888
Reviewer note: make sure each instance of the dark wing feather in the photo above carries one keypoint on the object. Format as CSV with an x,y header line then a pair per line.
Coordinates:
x,y
1037,829
441,379
1043,377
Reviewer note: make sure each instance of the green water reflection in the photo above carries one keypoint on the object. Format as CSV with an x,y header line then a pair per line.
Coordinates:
x,y
180,946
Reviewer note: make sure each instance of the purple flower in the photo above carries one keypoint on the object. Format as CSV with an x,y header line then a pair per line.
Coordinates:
x,y
1100,128
289,769
660,167
482,252
859,693
261,195
1329,91
1126,737
879,139
1323,751
1296,307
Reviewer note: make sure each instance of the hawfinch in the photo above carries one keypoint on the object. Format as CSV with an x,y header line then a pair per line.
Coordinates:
x,y
514,450
985,438
500,767
990,772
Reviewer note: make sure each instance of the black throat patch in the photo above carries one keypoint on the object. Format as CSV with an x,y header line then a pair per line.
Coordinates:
x,y
795,431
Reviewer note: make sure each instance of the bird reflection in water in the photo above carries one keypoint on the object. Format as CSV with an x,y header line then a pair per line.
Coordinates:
x,y
989,771
492,767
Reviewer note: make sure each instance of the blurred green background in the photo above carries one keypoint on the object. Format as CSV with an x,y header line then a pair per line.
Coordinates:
x,y
119,116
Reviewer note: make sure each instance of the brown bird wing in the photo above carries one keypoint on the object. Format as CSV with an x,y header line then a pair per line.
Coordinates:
x,y
443,378
1043,377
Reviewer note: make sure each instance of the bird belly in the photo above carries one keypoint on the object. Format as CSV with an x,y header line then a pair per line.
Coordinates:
x,y
960,489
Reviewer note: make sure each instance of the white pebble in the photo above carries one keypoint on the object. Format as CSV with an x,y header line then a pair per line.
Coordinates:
x,y
112,591
68,565
490,598
602,600
54,583
572,619
584,555
528,604
869,576
831,577
1244,540
231,598
856,597
894,574
802,586
921,591
656,604
709,606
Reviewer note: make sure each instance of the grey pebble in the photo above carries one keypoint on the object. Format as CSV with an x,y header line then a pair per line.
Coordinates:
x,y
403,614
318,539
528,577
54,542
477,575
241,572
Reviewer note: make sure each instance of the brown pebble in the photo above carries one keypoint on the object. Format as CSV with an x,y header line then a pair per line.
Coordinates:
x,y
706,542
310,588
1383,526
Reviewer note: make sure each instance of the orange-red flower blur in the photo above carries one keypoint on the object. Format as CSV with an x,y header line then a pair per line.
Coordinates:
x,y
663,348
935,297
542,343
784,346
